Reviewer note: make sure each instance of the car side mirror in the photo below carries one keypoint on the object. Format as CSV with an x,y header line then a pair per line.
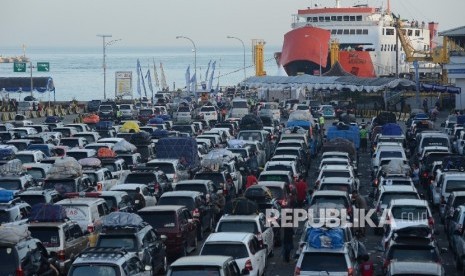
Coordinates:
x,y
147,268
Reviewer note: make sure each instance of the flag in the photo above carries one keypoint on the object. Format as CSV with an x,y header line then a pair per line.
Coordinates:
x,y
149,80
210,81
138,77
188,78
193,83
155,75
142,79
208,69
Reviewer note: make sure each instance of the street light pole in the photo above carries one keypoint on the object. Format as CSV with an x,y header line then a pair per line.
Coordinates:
x,y
243,46
195,56
104,65
319,42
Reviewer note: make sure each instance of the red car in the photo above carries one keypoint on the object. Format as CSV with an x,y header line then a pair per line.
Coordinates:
x,y
177,224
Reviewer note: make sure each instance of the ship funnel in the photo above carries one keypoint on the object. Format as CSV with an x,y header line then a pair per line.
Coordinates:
x,y
338,3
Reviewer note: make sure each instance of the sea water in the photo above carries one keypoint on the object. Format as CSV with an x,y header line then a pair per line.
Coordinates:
x,y
77,73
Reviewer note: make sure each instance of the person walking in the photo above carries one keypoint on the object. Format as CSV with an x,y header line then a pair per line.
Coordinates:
x,y
363,139
301,187
321,121
416,174
366,266
361,204
288,243
425,105
139,200
251,180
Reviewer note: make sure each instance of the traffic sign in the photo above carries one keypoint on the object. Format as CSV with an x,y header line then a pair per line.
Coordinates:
x,y
19,67
43,66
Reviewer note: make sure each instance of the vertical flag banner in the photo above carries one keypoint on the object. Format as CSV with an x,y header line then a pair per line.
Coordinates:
x,y
149,80
208,69
193,82
188,78
210,81
155,75
138,77
164,86
142,79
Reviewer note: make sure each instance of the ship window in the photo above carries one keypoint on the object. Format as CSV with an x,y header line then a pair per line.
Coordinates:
x,y
352,18
359,31
417,32
321,19
327,19
359,18
409,32
339,18
389,31
383,31
352,31
333,31
309,19
346,18
315,19
382,47
365,31
339,31
333,18
346,31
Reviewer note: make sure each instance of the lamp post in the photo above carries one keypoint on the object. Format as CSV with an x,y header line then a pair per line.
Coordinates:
x,y
105,44
243,46
319,42
195,55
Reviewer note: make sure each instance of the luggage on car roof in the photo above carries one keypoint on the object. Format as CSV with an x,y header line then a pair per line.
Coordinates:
x,y
6,196
124,146
141,138
251,122
65,167
104,125
46,212
13,234
105,153
325,237
122,220
90,162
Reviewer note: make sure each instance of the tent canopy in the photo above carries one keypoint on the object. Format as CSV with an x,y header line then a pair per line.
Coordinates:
x,y
23,84
352,83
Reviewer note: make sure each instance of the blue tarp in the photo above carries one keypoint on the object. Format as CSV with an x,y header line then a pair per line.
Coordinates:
x,y
352,134
325,238
303,124
182,148
461,119
441,88
156,121
391,129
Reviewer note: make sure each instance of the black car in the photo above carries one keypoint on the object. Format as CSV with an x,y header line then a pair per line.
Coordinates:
x,y
222,181
93,105
157,181
130,232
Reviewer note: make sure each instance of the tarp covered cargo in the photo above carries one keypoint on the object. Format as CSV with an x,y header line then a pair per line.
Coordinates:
x,y
391,129
122,220
46,212
341,130
160,133
124,146
396,166
65,167
12,167
325,238
236,143
129,126
385,118
340,144
241,206
300,115
90,162
302,124
164,117
251,122
105,153
13,234
141,138
216,158
461,119
182,148
295,129
155,121
91,119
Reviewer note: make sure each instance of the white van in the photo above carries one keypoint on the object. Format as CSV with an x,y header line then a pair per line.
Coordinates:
x,y
239,109
28,106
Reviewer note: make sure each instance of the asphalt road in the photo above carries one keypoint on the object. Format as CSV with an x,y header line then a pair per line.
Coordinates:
x,y
277,267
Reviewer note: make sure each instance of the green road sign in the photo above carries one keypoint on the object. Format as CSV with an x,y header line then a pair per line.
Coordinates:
x,y
43,66
19,67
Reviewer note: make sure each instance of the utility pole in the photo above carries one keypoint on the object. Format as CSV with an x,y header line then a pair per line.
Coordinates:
x,y
104,65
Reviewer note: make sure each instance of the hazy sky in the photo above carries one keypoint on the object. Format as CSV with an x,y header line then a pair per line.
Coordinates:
x,y
39,23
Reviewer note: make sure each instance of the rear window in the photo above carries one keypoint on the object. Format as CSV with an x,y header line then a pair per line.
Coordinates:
x,y
195,271
286,152
165,219
167,168
251,136
94,269
49,236
191,187
277,192
318,261
9,261
10,184
186,128
5,216
235,250
273,177
239,104
207,109
388,154
61,185
238,226
26,158
106,108
141,178
434,141
279,168
33,199
455,185
177,200
145,112
387,197
217,178
414,254
412,213
321,200
124,106
327,173
77,155
459,201
120,241
336,187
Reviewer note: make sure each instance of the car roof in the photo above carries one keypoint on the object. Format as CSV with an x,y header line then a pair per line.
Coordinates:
x,y
409,267
81,200
181,193
229,237
416,202
127,186
275,172
201,261
253,217
162,160
337,180
397,188
193,181
280,184
329,193
161,208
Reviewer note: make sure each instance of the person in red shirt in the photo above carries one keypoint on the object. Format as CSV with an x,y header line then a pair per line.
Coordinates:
x,y
251,180
301,187
366,267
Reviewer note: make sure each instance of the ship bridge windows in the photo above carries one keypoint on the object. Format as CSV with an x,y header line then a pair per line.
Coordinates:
x,y
417,32
389,31
352,31
339,31
409,32
321,18
339,18
333,18
315,19
359,31
346,18
327,19
349,31
359,18
352,18
346,31
333,31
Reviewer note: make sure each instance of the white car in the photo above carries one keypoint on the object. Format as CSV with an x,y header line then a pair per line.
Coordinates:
x,y
255,224
150,200
209,113
245,248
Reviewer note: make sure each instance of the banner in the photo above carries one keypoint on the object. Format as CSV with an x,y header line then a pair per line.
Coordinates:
x,y
188,78
193,83
149,80
123,83
138,70
210,81
155,75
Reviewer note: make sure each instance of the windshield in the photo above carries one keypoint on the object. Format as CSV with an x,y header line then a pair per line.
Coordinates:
x,y
274,177
141,178
127,242
455,185
145,112
434,141
195,271
235,250
386,197
105,108
70,142
10,184
239,104
124,106
49,236
61,185
413,253
336,187
9,261
192,187
5,216
165,219
177,200
181,128
33,199
278,168
93,269
238,226
410,213
26,158
286,152
251,136
207,109
319,261
302,107
167,168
